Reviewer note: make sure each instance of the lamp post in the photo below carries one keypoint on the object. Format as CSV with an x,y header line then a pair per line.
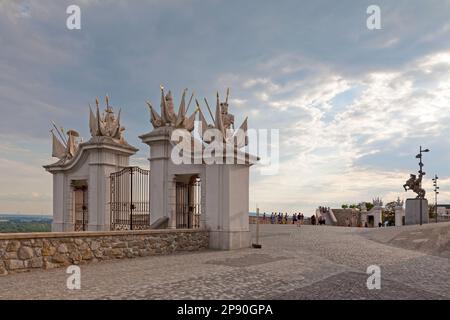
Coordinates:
x,y
421,173
436,192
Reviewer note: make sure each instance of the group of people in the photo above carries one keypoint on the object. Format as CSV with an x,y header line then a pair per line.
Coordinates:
x,y
280,218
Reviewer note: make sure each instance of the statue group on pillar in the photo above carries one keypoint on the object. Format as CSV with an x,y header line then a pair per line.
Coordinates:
x,y
65,145
222,120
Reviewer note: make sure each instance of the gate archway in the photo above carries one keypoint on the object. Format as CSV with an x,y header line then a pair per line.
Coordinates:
x,y
80,204
130,199
188,203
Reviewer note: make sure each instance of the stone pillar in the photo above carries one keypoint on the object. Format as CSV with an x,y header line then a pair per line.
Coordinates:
x,y
377,215
160,150
399,214
227,205
412,211
58,202
363,215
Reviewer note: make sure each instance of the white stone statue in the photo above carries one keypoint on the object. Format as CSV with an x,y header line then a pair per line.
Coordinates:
x,y
66,146
398,202
377,202
106,125
222,120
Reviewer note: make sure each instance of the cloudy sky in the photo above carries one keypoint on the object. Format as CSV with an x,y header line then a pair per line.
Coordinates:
x,y
352,104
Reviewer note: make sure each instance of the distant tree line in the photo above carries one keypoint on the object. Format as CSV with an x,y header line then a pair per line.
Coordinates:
x,y
31,226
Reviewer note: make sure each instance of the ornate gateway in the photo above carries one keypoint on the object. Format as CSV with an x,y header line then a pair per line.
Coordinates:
x,y
130,204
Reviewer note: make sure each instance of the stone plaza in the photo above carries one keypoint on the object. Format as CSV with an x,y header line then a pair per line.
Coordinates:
x,y
307,262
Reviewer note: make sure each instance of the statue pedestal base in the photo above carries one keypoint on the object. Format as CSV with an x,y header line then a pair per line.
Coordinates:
x,y
412,211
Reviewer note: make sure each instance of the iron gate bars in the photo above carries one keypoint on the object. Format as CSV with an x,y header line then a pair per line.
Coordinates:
x,y
130,204
188,201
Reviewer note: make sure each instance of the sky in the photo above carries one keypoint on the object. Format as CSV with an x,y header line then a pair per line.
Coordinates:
x,y
352,105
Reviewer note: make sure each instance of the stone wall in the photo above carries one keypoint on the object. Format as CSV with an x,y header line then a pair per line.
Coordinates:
x,y
21,252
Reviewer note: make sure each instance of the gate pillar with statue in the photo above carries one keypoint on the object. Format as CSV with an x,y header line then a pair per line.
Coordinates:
x,y
81,185
199,193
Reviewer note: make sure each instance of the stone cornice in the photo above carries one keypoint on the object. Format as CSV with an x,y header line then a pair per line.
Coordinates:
x,y
94,143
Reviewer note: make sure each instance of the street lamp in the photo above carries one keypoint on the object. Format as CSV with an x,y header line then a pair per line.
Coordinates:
x,y
421,173
436,192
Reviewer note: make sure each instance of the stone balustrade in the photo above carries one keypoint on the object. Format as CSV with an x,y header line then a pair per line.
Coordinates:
x,y
21,252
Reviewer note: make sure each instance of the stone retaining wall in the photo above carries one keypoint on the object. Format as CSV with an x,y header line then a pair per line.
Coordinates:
x,y
21,252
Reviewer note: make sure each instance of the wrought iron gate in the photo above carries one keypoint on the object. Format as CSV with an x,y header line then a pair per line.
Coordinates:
x,y
188,201
130,203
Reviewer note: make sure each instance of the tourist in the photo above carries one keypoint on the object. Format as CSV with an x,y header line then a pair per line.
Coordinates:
x,y
285,218
298,219
264,217
294,218
313,220
280,218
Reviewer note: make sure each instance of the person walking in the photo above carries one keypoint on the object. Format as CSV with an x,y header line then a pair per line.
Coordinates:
x,y
313,220
294,218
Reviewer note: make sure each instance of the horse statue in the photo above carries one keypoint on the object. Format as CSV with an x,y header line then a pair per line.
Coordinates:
x,y
413,183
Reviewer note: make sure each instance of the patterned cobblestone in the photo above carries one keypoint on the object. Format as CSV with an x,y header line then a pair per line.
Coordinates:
x,y
311,262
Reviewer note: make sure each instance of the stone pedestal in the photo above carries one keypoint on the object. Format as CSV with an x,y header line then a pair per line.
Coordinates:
x,y
412,211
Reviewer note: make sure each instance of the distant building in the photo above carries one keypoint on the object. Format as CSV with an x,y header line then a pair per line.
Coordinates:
x,y
353,217
443,210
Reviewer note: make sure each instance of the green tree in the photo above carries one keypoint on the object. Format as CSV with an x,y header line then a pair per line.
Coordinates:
x,y
388,213
431,211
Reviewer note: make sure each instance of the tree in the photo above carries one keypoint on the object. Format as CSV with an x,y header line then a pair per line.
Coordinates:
x,y
431,211
369,206
388,213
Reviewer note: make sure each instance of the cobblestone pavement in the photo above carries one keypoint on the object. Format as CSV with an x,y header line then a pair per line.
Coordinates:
x,y
310,262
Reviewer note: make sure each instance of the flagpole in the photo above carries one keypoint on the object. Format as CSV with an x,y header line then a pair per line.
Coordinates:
x,y
210,113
